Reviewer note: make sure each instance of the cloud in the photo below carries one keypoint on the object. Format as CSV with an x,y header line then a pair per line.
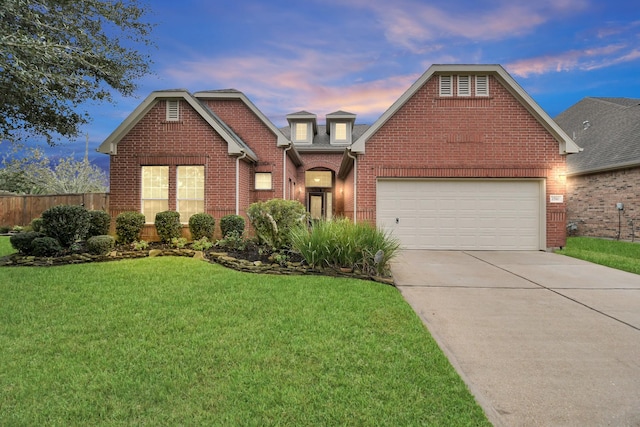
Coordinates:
x,y
415,25
301,79
582,60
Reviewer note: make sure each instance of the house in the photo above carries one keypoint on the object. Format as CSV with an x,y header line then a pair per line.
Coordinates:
x,y
464,159
603,180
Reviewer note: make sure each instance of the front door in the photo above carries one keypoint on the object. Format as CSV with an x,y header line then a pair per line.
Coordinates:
x,y
321,205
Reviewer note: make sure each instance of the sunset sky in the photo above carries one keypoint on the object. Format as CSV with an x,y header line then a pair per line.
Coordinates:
x,y
361,55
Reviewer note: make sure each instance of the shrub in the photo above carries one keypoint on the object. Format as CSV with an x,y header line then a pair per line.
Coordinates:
x,y
21,242
4,229
232,242
129,226
201,245
139,245
45,246
229,223
343,244
168,225
274,219
99,222
201,225
178,242
66,223
37,225
100,245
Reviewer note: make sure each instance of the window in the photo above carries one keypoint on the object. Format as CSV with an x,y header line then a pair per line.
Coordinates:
x,y
173,110
263,181
464,85
190,191
339,133
446,86
155,191
482,85
302,132
318,179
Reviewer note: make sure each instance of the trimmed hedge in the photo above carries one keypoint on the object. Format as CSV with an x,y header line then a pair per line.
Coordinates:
x,y
232,223
21,242
99,222
45,246
129,226
100,245
201,225
168,225
66,223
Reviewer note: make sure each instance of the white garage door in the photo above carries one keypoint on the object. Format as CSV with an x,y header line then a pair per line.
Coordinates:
x,y
462,214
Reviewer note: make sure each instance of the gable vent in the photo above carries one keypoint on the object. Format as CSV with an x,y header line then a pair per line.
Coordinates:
x,y
482,85
446,86
464,85
173,110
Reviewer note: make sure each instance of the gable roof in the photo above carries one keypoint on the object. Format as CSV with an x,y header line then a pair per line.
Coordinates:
x,y
609,131
235,144
566,144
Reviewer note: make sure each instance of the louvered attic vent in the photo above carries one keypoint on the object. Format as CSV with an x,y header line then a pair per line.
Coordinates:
x,y
173,110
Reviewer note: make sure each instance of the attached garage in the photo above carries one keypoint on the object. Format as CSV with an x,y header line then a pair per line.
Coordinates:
x,y
458,214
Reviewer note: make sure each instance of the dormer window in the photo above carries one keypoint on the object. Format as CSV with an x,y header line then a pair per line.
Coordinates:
x,y
173,110
303,127
302,132
340,127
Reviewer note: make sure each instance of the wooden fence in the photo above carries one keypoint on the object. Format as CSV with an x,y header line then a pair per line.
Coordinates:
x,y
20,210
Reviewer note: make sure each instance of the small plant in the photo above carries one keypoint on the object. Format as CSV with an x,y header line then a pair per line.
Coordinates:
x,y
99,222
100,245
234,241
139,245
274,219
45,247
17,228
179,242
4,229
66,223
37,225
168,225
280,258
129,226
229,223
202,244
201,225
21,242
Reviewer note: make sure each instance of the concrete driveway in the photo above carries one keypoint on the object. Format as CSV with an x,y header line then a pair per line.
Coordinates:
x,y
540,339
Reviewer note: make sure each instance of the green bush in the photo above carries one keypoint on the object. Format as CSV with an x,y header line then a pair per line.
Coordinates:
x,y
229,223
202,244
201,225
274,219
4,229
343,244
99,222
129,226
45,246
37,225
233,241
21,242
100,245
168,225
66,223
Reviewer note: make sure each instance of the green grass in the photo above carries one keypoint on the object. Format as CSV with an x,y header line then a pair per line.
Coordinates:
x,y
612,253
175,341
5,246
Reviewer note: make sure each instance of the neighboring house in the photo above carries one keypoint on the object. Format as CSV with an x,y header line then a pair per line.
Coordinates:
x,y
464,159
607,172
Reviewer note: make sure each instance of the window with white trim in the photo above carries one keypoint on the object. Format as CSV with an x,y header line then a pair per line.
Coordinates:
x,y
263,181
464,85
482,85
301,132
155,191
340,133
173,110
446,85
190,191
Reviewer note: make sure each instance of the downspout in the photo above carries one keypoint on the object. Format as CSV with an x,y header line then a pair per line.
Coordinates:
x,y
244,154
355,185
284,171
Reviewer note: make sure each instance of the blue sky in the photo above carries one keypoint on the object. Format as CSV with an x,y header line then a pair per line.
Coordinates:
x,y
361,55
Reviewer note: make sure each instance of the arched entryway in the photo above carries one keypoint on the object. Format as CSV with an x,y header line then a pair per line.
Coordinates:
x,y
320,193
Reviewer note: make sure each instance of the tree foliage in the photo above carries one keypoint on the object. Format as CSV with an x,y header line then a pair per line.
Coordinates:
x,y
57,54
36,174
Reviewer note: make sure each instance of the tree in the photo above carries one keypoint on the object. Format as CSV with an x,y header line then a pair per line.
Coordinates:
x,y
37,175
57,54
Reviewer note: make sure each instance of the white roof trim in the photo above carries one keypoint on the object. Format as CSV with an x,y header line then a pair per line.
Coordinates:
x,y
566,144
110,145
282,140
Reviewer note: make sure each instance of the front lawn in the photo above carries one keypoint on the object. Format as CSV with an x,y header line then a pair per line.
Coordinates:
x,y
176,341
612,253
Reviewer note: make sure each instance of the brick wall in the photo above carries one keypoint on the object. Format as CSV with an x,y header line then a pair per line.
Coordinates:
x,y
433,137
592,204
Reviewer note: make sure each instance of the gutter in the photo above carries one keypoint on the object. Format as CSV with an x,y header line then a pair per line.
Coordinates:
x,y
244,154
355,185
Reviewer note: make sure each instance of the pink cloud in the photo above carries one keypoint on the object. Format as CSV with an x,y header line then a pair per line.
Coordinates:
x,y
585,60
